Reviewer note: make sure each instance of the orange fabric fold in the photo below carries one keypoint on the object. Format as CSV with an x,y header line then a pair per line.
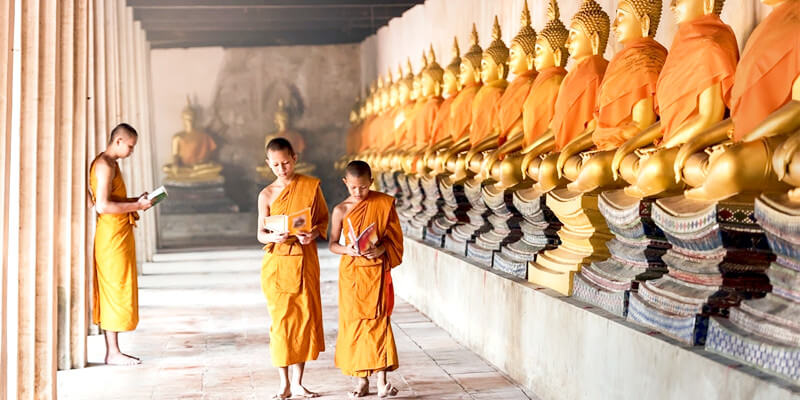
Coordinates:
x,y
577,99
441,126
422,126
365,134
365,342
387,132
509,110
485,110
540,104
770,64
461,111
704,52
401,124
195,148
290,279
631,76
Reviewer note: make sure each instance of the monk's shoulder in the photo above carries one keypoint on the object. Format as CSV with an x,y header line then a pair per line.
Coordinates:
x,y
308,180
382,199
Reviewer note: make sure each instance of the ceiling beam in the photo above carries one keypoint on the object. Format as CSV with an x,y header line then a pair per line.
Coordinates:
x,y
265,15
249,39
220,26
270,3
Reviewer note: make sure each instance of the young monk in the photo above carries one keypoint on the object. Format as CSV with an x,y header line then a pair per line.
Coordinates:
x,y
365,344
116,293
290,270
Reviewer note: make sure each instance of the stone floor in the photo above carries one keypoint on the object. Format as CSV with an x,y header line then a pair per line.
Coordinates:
x,y
203,335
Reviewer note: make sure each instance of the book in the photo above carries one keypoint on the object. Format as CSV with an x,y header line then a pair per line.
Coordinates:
x,y
292,224
158,195
366,239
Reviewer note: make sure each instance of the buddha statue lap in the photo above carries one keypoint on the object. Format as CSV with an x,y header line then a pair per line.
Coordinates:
x,y
294,137
191,154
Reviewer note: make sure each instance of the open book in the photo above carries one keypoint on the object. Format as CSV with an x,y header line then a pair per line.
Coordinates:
x,y
157,195
299,221
366,239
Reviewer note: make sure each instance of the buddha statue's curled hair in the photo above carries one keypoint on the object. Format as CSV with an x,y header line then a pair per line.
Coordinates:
x,y
433,70
591,19
651,8
555,32
497,49
455,64
526,37
474,54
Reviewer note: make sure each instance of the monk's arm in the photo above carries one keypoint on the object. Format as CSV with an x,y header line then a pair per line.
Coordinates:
x,y
263,235
108,205
336,233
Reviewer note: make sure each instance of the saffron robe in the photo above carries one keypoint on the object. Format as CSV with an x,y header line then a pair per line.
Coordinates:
x,y
509,109
366,134
195,148
116,291
576,100
441,126
484,111
770,64
422,125
401,124
365,342
631,76
290,279
461,111
703,53
540,104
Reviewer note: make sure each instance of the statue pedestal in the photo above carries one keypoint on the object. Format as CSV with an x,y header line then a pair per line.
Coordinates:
x,y
414,207
388,185
197,197
635,254
505,221
453,211
718,257
431,204
765,332
460,236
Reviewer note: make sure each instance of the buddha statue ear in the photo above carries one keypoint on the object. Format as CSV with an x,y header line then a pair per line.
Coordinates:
x,y
645,21
529,61
437,89
557,58
595,40
501,71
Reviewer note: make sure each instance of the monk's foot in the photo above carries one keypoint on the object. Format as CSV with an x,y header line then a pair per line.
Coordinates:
x,y
284,394
361,390
387,390
300,392
122,359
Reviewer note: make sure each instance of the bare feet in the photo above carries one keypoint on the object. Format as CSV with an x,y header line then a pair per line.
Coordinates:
x,y
387,390
284,394
361,390
122,359
298,391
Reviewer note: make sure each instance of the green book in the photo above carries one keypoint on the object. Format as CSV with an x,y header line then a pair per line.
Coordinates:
x,y
157,195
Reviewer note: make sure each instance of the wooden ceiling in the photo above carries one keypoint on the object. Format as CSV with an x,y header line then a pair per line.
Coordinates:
x,y
238,23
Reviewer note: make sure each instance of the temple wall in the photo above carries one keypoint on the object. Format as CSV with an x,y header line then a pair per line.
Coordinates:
x,y
437,21
561,348
237,91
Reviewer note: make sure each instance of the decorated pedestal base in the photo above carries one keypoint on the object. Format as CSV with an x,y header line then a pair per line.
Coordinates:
x,y
505,222
453,211
431,204
414,207
388,184
403,194
765,332
583,240
460,236
635,254
718,258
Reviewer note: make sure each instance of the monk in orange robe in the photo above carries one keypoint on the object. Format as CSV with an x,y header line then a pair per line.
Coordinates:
x,y
365,343
539,106
116,292
290,269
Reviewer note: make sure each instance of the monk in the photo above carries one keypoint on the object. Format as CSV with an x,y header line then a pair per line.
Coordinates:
x,y
116,292
365,344
290,270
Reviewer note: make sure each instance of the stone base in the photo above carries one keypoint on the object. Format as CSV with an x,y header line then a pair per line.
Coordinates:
x,y
197,197
207,230
688,329
614,302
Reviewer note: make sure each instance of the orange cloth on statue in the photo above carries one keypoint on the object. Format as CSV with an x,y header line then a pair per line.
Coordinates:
x,y
422,126
401,124
290,279
195,148
385,133
770,64
704,52
365,141
509,110
461,111
540,104
376,132
577,98
484,111
365,342
631,76
116,292
441,126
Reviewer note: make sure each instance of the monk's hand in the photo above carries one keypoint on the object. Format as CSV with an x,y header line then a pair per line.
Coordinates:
x,y
374,252
306,237
274,237
143,202
352,251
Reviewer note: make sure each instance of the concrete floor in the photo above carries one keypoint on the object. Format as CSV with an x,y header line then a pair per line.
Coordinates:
x,y
203,335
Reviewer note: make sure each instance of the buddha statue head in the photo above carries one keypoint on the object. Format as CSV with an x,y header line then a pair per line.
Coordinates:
x,y
432,76
470,69
384,91
636,19
392,89
588,33
551,43
494,62
405,84
416,87
188,115
690,10
281,117
451,73
523,46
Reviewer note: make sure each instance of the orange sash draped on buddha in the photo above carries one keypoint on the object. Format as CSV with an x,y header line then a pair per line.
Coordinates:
x,y
577,99
703,53
770,64
441,126
540,104
401,124
195,148
631,76
422,126
387,135
484,111
116,292
353,143
461,111
366,141
365,343
509,110
290,279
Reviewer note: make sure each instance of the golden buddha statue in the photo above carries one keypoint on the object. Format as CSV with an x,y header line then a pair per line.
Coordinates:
x,y
442,135
549,58
692,93
191,153
735,157
626,103
398,124
383,138
424,124
294,137
409,144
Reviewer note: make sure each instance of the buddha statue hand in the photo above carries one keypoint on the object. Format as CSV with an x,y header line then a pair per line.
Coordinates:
x,y
786,155
715,135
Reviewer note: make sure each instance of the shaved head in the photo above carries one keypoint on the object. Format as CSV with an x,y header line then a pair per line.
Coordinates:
x,y
358,169
122,129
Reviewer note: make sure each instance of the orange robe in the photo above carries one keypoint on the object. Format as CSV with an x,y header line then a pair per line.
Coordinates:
x,y
509,109
770,64
195,148
461,111
422,125
577,99
365,142
385,135
703,53
484,111
540,104
116,290
290,279
441,126
631,77
365,343
401,124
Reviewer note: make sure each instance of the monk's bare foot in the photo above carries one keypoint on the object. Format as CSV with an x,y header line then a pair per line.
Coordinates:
x,y
361,390
283,394
122,359
300,392
387,390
